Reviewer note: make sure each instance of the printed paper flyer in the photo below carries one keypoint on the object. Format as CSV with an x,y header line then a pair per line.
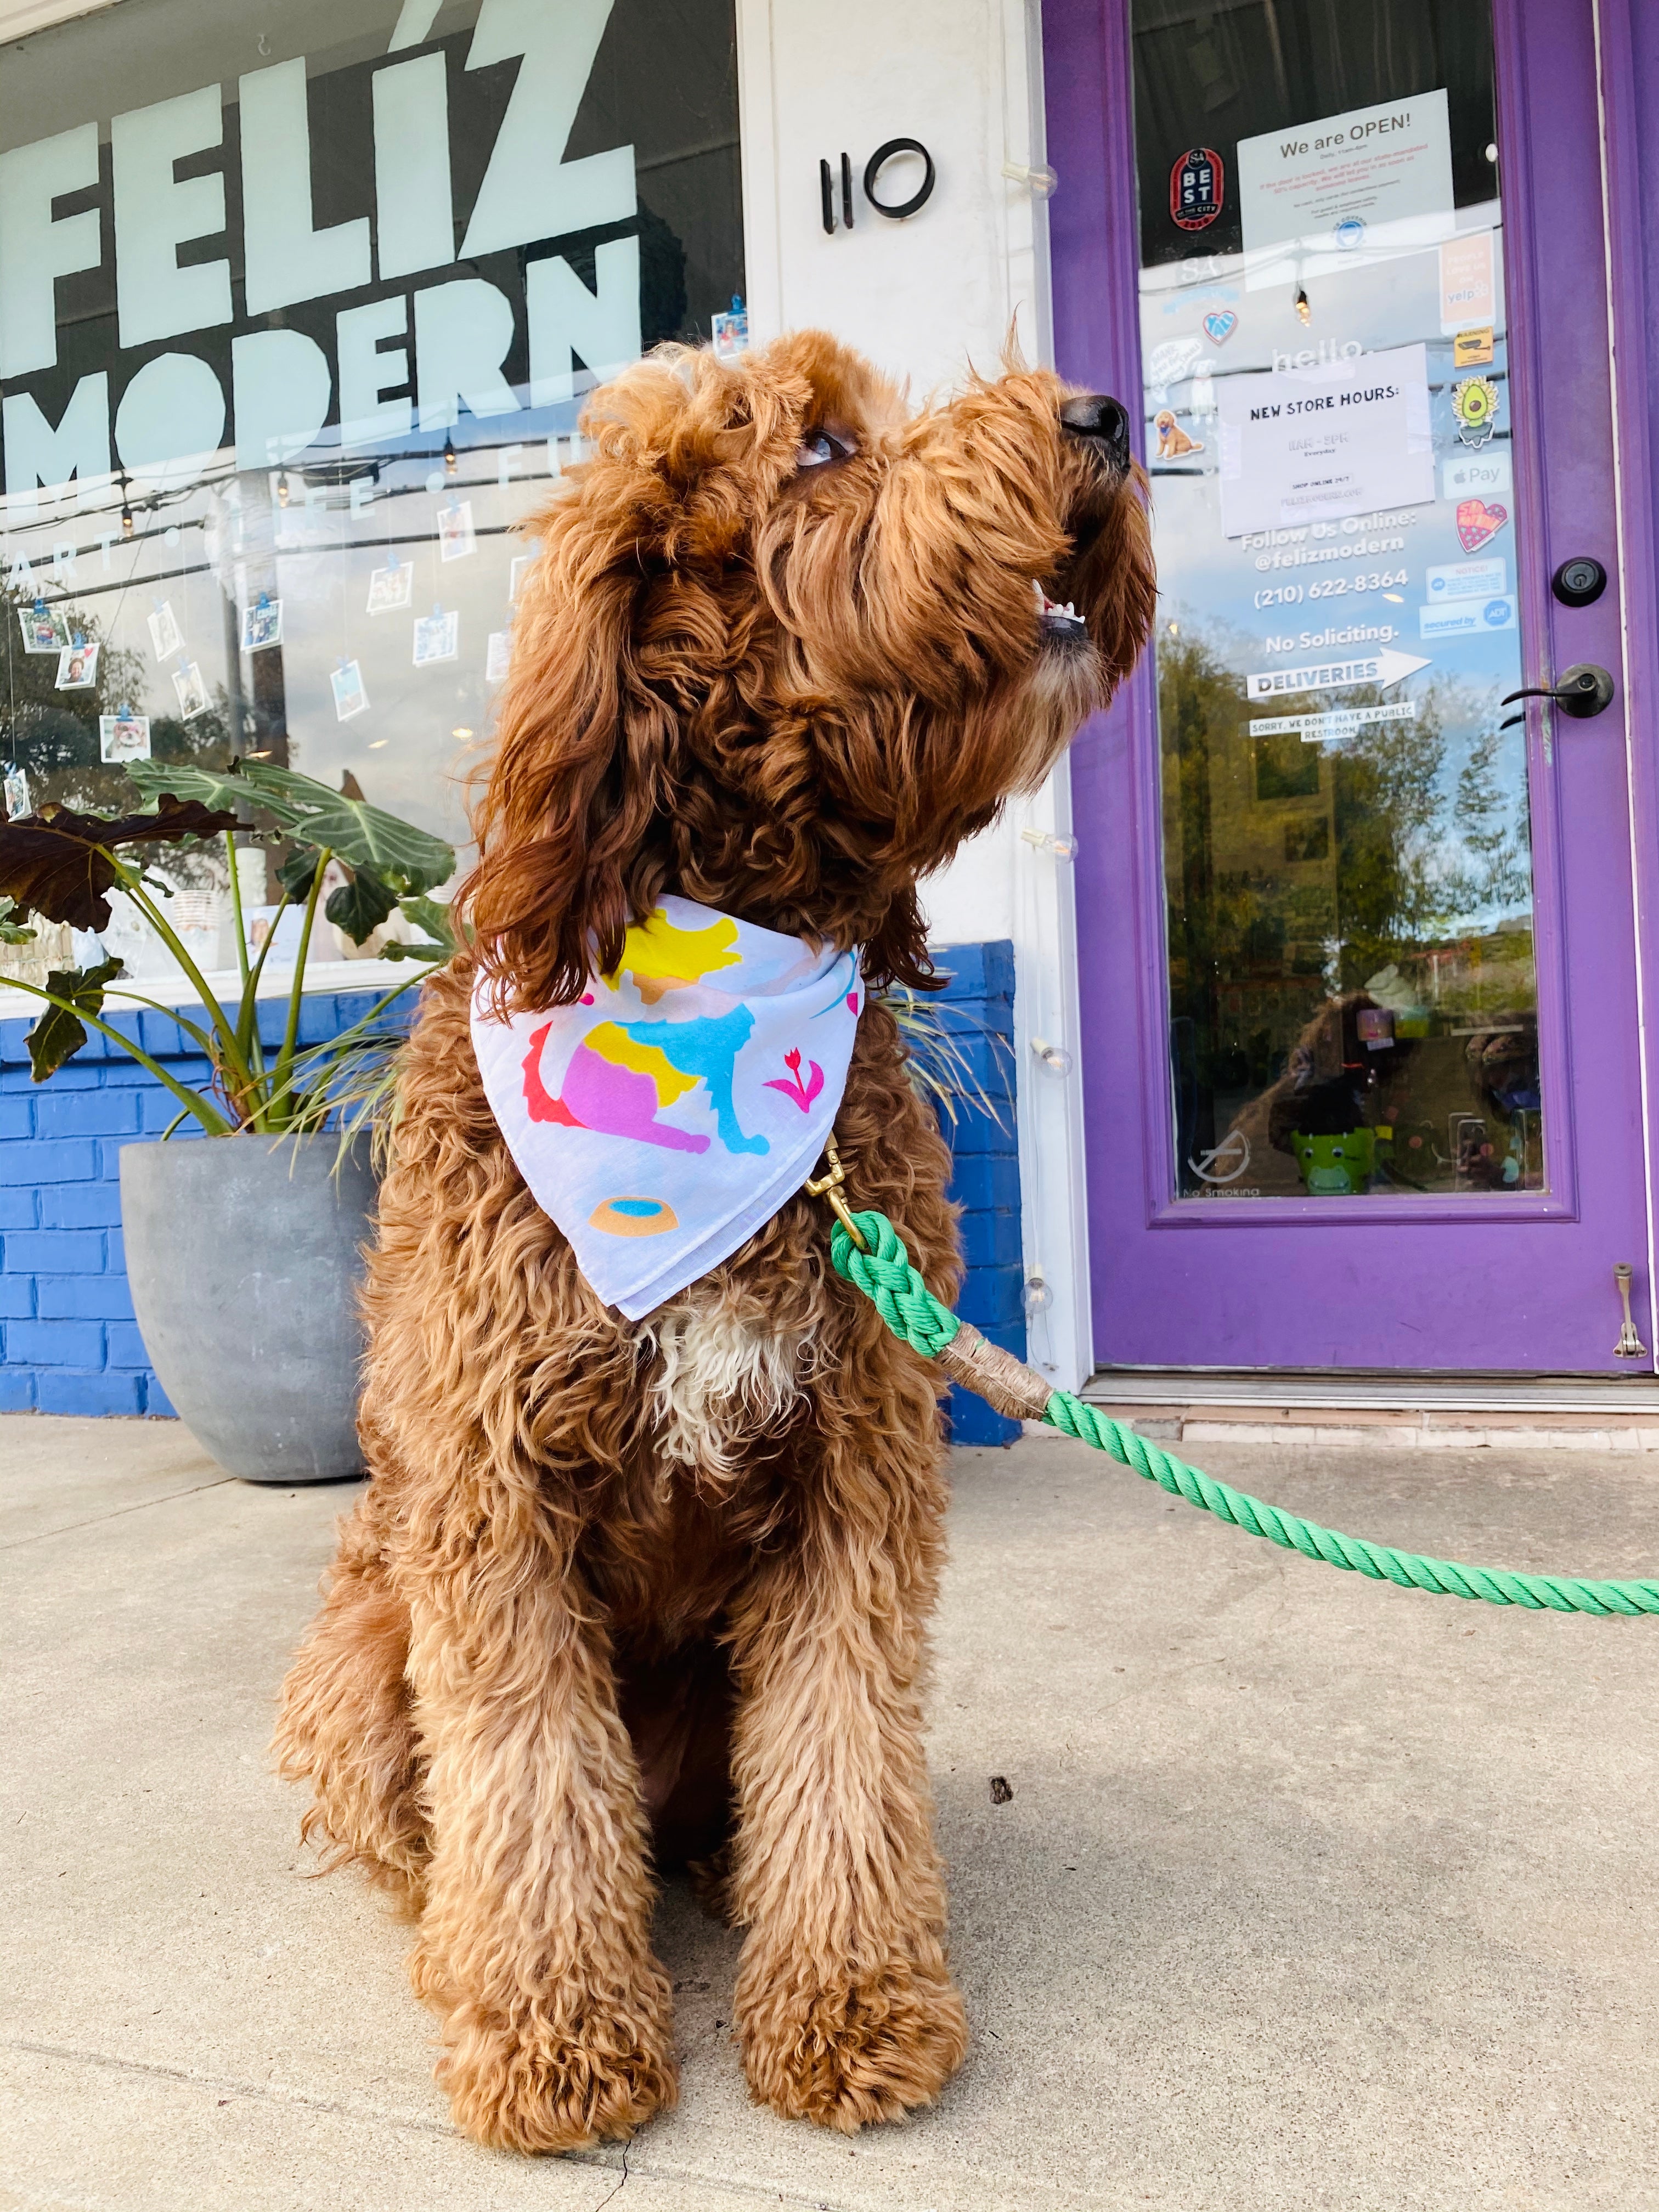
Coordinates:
x,y
1376,178
1314,445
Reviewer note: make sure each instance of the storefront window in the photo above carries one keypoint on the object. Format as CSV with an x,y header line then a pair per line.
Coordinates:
x,y
1348,878
298,308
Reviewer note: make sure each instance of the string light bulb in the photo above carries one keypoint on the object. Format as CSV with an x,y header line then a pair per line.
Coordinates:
x,y
1058,848
126,517
282,486
452,461
1053,1057
1304,311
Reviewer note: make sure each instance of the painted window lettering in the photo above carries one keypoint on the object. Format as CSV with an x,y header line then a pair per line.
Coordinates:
x,y
278,389
529,191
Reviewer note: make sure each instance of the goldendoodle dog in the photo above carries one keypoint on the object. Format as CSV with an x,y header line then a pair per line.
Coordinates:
x,y
624,1590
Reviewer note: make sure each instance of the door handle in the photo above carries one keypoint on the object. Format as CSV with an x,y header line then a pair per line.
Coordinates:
x,y
1584,690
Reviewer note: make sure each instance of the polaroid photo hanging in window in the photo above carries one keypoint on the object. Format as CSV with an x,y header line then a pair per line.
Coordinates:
x,y
456,537
77,667
437,636
729,331
262,624
124,736
44,628
193,692
349,697
166,637
391,588
15,790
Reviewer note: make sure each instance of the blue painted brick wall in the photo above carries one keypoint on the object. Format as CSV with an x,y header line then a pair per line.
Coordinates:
x,y
978,1007
69,1343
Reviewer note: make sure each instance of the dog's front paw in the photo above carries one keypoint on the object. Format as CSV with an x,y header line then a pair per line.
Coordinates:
x,y
873,2047
541,2082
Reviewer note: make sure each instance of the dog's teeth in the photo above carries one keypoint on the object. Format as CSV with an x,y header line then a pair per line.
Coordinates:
x,y
1042,596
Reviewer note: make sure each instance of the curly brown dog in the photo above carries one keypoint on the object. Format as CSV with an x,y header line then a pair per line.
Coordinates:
x,y
786,645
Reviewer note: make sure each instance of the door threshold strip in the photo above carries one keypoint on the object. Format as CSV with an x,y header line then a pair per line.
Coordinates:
x,y
1559,1412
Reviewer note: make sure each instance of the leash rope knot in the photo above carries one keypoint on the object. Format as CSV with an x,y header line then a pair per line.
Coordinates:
x,y
884,1273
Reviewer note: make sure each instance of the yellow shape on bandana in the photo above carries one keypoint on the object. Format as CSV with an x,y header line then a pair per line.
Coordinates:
x,y
663,957
613,1043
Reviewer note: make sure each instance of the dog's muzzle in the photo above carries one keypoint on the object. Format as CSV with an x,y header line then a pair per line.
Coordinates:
x,y
1104,423
1100,425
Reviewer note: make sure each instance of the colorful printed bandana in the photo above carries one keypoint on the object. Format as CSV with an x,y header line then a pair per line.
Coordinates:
x,y
667,1117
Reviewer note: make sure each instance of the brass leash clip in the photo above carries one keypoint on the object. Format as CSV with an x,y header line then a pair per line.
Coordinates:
x,y
829,1186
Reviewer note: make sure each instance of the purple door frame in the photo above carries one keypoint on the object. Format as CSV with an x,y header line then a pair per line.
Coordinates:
x,y
1519,1282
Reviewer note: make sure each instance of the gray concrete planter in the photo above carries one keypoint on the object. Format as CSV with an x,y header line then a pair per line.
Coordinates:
x,y
244,1261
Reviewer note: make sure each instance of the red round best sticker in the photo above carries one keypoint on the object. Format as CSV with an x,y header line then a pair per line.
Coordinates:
x,y
1195,187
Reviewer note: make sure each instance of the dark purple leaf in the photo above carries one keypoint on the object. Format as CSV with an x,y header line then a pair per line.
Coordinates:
x,y
51,864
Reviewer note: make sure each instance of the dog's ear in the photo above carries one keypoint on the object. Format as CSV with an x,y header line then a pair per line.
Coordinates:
x,y
577,773
570,825
576,778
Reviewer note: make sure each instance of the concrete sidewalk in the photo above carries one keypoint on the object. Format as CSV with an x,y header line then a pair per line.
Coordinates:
x,y
1310,1892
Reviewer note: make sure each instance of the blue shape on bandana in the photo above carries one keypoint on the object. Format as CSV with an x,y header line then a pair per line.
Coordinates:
x,y
706,1048
842,984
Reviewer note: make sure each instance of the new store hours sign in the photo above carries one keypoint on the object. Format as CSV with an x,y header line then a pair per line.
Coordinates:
x,y
321,248
1320,443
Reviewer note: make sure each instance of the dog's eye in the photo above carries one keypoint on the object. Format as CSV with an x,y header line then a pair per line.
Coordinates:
x,y
818,447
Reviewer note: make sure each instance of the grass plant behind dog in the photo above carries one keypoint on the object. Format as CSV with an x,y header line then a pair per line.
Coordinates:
x,y
628,1592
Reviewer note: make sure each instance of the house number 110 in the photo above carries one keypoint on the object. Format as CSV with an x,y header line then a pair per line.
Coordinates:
x,y
896,210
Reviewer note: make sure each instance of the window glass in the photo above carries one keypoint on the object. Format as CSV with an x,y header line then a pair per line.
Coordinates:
x,y
297,310
1348,881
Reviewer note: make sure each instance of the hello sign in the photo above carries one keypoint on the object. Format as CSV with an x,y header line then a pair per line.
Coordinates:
x,y
358,254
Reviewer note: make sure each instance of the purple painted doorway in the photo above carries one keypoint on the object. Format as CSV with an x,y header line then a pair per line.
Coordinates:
x,y
1361,1028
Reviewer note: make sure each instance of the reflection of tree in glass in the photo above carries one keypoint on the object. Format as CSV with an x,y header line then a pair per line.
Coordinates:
x,y
1296,872
1387,805
1196,695
1227,921
1496,832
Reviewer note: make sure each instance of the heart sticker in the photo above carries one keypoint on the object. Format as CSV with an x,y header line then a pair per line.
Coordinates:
x,y
1477,523
1219,326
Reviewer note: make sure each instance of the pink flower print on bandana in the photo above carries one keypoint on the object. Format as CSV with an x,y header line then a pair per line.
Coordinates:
x,y
792,1087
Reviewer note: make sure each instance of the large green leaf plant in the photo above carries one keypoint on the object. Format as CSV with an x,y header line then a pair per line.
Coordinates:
x,y
60,865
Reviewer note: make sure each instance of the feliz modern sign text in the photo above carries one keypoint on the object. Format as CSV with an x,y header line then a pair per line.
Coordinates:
x,y
174,408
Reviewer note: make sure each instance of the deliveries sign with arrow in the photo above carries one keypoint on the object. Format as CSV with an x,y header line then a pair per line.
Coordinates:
x,y
1385,668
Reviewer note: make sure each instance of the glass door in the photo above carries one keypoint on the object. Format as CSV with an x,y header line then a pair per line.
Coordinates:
x,y
1361,1049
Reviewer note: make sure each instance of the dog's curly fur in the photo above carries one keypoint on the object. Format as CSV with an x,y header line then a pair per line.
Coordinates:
x,y
608,1577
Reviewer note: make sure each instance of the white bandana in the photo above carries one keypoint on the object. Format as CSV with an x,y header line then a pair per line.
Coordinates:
x,y
667,1117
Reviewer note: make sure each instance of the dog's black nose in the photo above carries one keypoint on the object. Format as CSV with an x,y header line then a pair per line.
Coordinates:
x,y
1092,415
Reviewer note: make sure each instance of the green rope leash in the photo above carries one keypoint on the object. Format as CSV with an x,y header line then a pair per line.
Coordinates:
x,y
887,1279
